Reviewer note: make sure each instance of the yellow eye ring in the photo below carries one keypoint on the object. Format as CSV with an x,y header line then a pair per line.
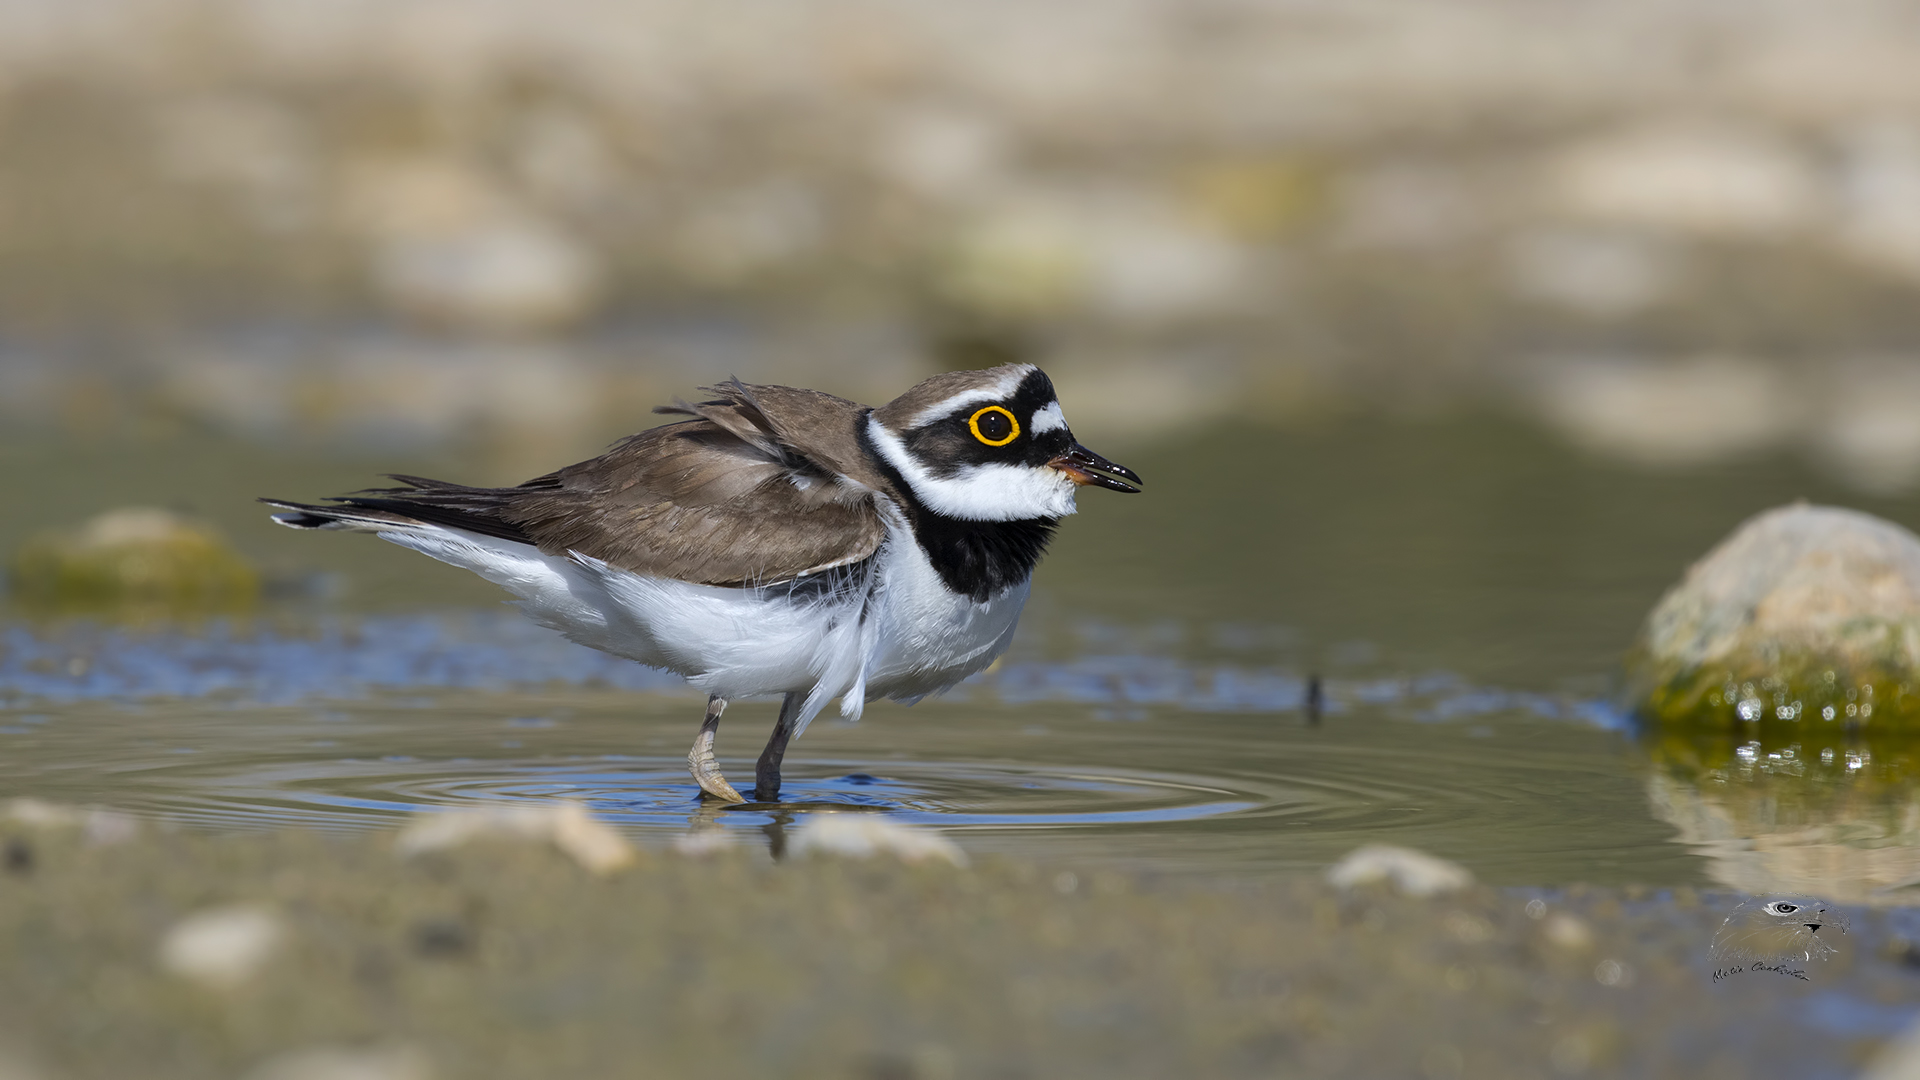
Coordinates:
x,y
973,423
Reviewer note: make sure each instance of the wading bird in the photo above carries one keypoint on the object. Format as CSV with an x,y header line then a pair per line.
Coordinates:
x,y
780,541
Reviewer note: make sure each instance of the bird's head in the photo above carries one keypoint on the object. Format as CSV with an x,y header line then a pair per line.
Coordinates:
x,y
990,445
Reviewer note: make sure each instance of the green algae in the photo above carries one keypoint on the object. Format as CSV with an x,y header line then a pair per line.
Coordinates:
x,y
136,560
1778,694
1775,691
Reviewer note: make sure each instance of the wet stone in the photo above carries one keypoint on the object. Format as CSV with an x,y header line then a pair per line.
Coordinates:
x,y
1805,620
132,557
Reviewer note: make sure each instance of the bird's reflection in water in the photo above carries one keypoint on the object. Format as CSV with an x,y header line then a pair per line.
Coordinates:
x,y
704,826
776,833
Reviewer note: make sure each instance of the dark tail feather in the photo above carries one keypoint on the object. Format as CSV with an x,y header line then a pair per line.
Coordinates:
x,y
308,516
431,502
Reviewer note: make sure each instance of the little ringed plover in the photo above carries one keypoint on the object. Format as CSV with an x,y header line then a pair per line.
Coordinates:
x,y
779,541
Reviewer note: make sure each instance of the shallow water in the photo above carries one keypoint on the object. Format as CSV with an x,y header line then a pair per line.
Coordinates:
x,y
1463,588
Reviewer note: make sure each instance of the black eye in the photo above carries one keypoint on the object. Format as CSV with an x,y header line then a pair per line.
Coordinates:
x,y
1780,907
994,426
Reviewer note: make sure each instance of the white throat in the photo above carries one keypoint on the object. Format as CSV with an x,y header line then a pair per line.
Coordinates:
x,y
979,492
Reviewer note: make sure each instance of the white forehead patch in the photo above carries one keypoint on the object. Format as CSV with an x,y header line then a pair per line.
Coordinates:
x,y
999,389
1048,419
979,492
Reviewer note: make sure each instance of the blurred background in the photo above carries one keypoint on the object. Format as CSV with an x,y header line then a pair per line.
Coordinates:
x,y
1672,233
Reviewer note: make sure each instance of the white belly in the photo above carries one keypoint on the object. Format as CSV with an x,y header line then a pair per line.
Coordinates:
x,y
928,637
890,628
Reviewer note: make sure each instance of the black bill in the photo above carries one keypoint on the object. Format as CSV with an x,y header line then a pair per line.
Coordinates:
x,y
1083,466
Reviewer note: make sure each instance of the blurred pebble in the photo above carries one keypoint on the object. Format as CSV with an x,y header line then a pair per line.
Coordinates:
x,y
1567,932
1403,204
345,1063
862,836
222,948
1869,433
941,154
1017,263
1713,180
98,826
1880,196
703,842
1413,873
40,813
1685,411
1600,273
134,554
509,274
566,826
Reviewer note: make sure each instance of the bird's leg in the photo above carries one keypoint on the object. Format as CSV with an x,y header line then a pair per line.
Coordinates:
x,y
766,775
700,760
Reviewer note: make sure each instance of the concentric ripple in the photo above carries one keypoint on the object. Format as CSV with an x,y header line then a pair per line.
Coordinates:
x,y
1505,792
657,795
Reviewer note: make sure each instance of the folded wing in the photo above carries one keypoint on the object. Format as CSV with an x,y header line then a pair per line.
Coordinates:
x,y
762,486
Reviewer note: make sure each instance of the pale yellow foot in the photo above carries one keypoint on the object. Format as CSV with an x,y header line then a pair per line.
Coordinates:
x,y
701,762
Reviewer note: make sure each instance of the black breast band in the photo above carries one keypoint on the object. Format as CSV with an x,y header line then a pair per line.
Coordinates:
x,y
977,559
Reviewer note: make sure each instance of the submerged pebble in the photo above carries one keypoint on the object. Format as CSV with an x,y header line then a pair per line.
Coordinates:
x,y
1412,873
863,836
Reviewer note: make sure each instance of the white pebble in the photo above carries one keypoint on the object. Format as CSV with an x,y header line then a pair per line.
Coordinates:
x,y
567,826
1414,873
863,836
222,947
97,825
1568,933
702,843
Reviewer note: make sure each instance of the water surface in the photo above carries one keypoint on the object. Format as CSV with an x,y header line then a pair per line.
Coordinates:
x,y
1462,589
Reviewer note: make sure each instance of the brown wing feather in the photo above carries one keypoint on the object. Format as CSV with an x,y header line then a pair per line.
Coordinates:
x,y
792,424
693,501
749,492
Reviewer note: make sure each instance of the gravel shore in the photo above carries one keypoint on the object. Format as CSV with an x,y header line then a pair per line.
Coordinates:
x,y
132,951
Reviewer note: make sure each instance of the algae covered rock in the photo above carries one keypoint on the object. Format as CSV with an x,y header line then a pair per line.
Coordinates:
x,y
1807,618
133,556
